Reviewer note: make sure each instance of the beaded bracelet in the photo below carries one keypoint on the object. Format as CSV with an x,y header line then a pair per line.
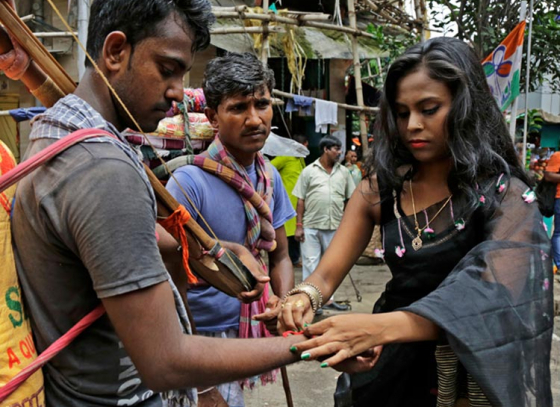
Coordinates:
x,y
312,291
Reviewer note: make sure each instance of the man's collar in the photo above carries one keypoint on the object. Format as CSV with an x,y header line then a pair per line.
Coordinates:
x,y
318,163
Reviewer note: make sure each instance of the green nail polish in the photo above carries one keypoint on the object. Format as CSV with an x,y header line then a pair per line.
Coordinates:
x,y
305,355
293,349
305,325
324,364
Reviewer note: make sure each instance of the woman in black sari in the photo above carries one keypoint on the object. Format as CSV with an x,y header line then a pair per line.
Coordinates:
x,y
468,313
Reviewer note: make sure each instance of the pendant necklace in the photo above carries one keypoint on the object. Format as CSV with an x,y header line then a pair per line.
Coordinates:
x,y
417,241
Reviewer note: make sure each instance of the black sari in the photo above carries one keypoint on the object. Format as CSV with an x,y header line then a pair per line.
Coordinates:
x,y
487,285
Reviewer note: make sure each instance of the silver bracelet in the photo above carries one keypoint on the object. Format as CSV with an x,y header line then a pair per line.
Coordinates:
x,y
312,291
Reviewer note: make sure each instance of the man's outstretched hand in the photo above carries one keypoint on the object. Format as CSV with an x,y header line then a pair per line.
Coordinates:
x,y
270,314
254,267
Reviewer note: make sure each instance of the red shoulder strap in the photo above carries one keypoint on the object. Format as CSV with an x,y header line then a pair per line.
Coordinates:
x,y
10,178
50,352
28,166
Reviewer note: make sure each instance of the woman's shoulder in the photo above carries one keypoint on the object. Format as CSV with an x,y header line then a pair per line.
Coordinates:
x,y
503,186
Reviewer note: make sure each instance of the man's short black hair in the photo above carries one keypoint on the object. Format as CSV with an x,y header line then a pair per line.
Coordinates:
x,y
138,20
235,74
300,138
329,142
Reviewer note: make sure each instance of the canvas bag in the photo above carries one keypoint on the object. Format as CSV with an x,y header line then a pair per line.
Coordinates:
x,y
17,349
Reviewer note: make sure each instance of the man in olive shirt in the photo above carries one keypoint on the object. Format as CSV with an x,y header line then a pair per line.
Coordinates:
x,y
322,190
290,169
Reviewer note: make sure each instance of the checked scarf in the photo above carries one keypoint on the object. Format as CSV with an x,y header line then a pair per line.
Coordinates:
x,y
260,231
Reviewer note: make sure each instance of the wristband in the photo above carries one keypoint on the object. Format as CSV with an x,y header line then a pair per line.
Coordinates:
x,y
299,224
290,333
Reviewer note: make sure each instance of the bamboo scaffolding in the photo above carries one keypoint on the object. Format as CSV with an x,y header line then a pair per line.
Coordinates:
x,y
248,30
291,21
358,78
223,12
368,109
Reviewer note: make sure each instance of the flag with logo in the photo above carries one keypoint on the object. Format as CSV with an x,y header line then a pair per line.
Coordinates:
x,y
503,67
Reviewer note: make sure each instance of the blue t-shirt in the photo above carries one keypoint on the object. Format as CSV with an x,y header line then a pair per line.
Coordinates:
x,y
223,209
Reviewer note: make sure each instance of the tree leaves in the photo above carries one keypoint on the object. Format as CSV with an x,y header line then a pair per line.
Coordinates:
x,y
485,23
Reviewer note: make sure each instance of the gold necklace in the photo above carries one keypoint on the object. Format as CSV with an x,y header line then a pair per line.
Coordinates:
x,y
417,241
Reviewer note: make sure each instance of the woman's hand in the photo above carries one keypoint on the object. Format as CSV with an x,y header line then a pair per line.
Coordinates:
x,y
364,362
254,267
343,337
295,314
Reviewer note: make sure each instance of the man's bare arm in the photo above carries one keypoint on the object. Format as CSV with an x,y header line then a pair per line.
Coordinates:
x,y
146,322
281,271
552,176
300,209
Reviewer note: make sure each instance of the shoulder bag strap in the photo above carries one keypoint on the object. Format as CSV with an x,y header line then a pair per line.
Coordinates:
x,y
28,166
10,178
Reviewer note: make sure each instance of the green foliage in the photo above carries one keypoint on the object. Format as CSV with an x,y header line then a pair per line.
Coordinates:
x,y
485,23
535,121
391,45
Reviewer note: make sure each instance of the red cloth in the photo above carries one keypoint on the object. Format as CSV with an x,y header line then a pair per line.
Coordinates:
x,y
174,224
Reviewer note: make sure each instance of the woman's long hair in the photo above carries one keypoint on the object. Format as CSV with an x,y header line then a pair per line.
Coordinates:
x,y
478,139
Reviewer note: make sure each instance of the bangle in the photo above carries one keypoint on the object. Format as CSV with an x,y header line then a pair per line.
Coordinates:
x,y
312,291
299,224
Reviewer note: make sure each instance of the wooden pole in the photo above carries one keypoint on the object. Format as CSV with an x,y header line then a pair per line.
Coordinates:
x,y
246,30
292,14
515,104
340,105
358,78
264,44
299,21
527,77
38,83
34,48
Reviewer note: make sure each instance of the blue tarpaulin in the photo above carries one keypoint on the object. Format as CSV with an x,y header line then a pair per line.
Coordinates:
x,y
23,114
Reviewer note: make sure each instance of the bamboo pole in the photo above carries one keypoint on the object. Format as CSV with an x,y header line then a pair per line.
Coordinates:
x,y
34,48
527,77
286,19
248,30
264,44
368,109
223,11
294,21
33,78
358,78
349,30
53,34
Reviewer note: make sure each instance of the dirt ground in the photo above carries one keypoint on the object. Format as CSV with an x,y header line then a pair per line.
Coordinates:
x,y
312,386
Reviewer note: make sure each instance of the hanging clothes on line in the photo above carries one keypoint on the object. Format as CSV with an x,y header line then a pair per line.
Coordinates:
x,y
325,113
301,104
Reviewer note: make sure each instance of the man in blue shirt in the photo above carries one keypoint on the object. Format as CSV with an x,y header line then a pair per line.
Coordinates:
x,y
238,89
